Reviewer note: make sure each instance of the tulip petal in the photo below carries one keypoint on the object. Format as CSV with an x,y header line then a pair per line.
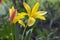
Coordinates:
x,y
21,15
35,8
13,8
10,12
15,19
31,21
21,22
12,16
41,12
27,8
41,17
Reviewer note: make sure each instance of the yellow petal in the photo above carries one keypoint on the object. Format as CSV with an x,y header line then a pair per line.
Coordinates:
x,y
15,19
13,8
31,21
21,22
41,12
27,8
21,15
41,17
35,8
10,12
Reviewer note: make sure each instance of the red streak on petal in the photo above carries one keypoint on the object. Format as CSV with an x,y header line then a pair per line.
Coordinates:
x,y
0,1
12,16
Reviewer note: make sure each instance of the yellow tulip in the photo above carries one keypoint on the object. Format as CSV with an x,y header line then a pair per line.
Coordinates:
x,y
34,13
12,13
14,17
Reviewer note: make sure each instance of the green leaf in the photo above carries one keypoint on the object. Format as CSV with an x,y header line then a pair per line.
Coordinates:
x,y
39,32
45,31
28,34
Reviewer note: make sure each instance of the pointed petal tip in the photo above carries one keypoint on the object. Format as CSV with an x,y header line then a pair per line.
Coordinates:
x,y
45,12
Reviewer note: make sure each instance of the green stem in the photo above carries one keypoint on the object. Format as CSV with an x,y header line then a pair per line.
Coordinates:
x,y
12,31
16,32
12,35
23,33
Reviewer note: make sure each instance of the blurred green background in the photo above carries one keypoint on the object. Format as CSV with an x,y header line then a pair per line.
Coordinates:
x,y
41,30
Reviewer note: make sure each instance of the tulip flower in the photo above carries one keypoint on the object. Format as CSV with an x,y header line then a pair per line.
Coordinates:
x,y
16,17
34,13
